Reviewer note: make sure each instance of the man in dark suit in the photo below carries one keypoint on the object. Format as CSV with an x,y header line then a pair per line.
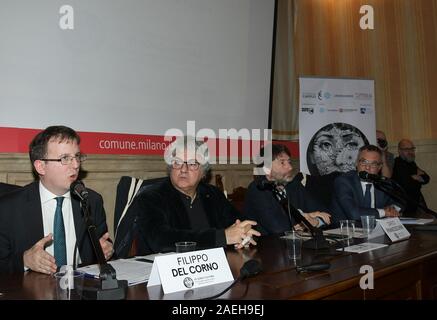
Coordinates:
x,y
41,222
354,197
183,208
409,176
261,203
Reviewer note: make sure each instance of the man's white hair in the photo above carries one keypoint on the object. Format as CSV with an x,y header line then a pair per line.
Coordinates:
x,y
191,146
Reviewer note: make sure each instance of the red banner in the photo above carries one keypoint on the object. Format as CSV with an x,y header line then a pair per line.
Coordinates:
x,y
17,140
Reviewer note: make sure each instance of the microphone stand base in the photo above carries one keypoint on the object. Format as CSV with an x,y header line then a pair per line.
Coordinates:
x,y
97,293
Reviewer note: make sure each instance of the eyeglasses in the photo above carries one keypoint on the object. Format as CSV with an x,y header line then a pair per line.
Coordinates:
x,y
192,165
66,160
408,149
371,164
284,161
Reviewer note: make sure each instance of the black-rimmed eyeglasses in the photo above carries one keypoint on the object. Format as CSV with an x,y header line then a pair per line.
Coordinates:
x,y
371,164
66,160
192,165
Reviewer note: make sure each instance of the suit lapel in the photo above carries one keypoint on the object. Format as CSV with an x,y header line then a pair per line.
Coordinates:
x,y
359,188
379,198
79,223
33,213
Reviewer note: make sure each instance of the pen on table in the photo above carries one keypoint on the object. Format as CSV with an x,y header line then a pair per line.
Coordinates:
x,y
144,260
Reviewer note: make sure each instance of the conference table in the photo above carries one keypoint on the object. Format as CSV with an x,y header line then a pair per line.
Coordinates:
x,y
402,270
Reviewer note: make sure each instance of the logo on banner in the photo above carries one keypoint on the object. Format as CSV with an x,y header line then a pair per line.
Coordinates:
x,y
348,96
309,110
323,95
309,95
363,96
366,109
347,109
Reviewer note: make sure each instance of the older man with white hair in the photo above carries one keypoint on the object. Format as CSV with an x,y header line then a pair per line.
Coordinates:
x,y
185,208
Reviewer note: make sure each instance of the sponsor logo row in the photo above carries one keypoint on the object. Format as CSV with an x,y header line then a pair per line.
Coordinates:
x,y
326,95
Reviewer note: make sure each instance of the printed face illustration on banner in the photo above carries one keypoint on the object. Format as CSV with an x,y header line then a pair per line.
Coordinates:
x,y
334,148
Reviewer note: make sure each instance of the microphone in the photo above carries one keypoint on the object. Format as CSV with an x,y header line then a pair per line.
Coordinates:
x,y
78,188
107,286
371,177
249,269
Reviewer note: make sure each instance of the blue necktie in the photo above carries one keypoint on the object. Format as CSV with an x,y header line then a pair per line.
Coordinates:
x,y
367,196
60,248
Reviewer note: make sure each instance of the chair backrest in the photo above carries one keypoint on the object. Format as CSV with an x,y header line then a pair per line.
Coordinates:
x,y
237,198
127,243
322,187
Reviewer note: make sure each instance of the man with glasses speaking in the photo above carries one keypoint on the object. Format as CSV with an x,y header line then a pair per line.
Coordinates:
x,y
355,197
40,223
184,207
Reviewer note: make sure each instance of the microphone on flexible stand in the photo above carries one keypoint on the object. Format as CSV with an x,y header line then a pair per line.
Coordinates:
x,y
318,240
389,187
372,177
249,269
78,188
281,197
108,288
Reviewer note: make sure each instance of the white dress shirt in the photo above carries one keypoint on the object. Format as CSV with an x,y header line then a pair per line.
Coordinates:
x,y
372,197
48,206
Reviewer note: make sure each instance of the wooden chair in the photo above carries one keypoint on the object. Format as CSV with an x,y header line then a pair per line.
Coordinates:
x,y
128,242
237,198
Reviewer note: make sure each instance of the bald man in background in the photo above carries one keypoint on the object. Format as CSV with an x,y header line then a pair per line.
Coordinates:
x,y
409,175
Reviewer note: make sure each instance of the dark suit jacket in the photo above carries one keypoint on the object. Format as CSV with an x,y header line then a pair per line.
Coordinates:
x,y
348,199
262,206
163,220
21,225
6,188
402,172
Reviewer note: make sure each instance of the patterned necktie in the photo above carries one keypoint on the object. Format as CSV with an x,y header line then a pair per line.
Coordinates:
x,y
60,248
367,196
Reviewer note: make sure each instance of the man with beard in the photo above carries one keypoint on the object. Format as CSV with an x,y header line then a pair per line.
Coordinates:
x,y
409,175
261,202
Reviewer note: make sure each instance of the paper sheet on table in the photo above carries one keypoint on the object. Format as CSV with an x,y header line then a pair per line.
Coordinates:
x,y
127,269
408,221
363,247
337,232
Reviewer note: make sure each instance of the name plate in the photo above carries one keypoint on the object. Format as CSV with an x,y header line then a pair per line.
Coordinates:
x,y
392,227
190,270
